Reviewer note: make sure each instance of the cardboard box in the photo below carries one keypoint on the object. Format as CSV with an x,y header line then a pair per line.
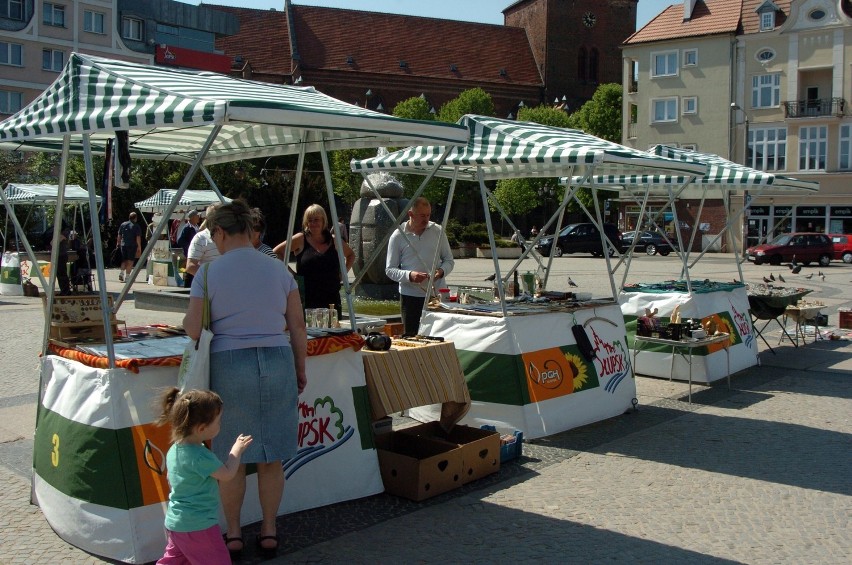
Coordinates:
x,y
480,449
418,468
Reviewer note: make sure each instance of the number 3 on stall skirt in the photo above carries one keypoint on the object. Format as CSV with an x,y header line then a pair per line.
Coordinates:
x,y
54,455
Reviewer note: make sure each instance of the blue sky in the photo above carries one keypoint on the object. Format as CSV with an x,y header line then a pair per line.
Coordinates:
x,y
485,11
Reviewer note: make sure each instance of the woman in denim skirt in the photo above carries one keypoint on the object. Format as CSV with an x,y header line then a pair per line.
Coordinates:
x,y
254,367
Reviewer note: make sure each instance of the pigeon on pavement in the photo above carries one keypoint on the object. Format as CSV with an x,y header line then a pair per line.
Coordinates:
x,y
771,277
571,283
781,278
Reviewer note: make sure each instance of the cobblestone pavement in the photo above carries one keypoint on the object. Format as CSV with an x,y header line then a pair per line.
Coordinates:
x,y
755,474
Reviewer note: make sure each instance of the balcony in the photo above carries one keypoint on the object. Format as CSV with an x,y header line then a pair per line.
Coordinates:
x,y
631,130
815,108
633,86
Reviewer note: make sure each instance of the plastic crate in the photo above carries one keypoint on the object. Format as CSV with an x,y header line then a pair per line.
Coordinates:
x,y
509,450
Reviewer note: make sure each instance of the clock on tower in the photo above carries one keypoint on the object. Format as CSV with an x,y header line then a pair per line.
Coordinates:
x,y
589,19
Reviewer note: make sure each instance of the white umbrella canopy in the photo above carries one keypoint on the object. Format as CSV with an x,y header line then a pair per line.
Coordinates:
x,y
169,114
498,149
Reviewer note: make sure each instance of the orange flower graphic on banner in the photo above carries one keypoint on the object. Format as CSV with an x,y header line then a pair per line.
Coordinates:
x,y
555,372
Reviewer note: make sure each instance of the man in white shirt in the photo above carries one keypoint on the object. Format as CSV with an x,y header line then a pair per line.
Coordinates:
x,y
409,261
201,250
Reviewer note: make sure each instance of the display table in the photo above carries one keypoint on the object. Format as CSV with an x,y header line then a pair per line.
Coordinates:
x,y
98,465
801,314
414,374
726,304
685,348
525,372
770,308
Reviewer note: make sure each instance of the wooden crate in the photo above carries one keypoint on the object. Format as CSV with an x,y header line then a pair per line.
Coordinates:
x,y
79,317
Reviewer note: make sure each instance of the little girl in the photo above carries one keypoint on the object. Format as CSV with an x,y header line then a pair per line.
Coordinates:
x,y
192,518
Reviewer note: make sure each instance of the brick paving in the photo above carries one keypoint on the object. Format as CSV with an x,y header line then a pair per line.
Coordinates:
x,y
755,474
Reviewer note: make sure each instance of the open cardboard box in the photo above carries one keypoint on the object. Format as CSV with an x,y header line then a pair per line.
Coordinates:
x,y
418,468
480,449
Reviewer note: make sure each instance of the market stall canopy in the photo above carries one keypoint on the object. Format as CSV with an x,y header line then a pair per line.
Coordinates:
x,y
46,194
498,149
190,200
170,113
721,173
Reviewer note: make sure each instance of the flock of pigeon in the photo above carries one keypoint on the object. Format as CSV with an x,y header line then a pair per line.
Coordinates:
x,y
795,268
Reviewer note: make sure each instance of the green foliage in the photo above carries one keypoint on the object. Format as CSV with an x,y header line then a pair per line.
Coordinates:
x,y
474,233
415,108
473,101
347,185
518,196
545,115
601,116
454,229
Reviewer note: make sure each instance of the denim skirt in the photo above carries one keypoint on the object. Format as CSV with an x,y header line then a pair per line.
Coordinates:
x,y
260,396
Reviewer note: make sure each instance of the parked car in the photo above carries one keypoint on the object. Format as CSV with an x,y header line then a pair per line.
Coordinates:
x,y
651,242
842,246
805,247
581,238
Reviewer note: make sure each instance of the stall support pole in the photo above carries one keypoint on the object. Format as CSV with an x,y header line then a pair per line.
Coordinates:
x,y
106,313
501,290
560,213
446,218
212,184
294,200
529,250
684,271
627,258
341,260
187,179
54,246
605,242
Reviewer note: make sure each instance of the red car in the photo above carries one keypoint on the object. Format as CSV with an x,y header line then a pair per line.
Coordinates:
x,y
807,248
842,246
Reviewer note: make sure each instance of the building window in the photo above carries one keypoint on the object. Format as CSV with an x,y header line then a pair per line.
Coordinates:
x,y
767,149
53,14
690,58
593,65
581,63
664,110
93,22
52,60
764,55
766,90
131,28
690,104
664,64
813,143
845,161
11,54
12,9
767,21
10,102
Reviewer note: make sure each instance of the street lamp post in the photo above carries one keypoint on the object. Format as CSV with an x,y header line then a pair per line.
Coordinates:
x,y
747,163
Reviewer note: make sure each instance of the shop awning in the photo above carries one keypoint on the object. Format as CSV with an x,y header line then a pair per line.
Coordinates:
x,y
46,194
498,149
190,200
169,114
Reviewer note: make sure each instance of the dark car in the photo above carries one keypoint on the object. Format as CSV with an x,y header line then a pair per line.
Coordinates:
x,y
651,242
807,248
842,246
581,238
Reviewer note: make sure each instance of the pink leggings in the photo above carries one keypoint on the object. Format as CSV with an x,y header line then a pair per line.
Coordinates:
x,y
204,547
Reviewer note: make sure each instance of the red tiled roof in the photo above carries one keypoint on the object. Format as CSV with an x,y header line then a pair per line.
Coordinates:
x,y
713,17
377,42
263,39
751,20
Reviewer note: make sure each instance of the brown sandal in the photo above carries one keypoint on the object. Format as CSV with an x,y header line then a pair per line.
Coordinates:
x,y
235,553
267,552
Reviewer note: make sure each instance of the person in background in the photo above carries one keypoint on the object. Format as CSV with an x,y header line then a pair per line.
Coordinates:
x,y
130,241
201,250
188,231
257,371
62,261
533,232
192,515
258,229
344,231
409,261
316,259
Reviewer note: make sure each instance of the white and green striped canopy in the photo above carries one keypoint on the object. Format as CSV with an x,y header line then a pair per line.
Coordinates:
x,y
190,200
169,114
46,194
498,148
721,173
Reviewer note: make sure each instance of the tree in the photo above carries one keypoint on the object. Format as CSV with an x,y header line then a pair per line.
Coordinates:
x,y
473,101
415,108
601,116
520,196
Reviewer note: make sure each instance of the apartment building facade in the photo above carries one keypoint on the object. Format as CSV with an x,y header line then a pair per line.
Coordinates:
x,y
37,37
761,82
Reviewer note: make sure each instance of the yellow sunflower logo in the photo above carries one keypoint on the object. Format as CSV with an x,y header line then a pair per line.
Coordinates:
x,y
578,369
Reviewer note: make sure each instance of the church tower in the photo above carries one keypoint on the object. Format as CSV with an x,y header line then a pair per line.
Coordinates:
x,y
575,43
